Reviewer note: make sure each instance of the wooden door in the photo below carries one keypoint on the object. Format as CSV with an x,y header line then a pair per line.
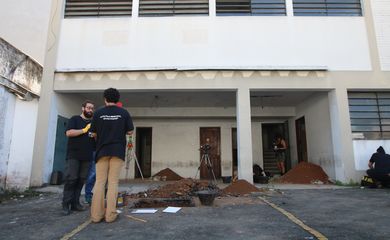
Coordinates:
x,y
213,135
301,139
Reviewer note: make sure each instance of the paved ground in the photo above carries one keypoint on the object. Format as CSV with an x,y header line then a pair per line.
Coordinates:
x,y
342,213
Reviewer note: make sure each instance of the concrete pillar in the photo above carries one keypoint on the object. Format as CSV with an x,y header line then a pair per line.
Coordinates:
x,y
244,135
43,153
341,135
21,151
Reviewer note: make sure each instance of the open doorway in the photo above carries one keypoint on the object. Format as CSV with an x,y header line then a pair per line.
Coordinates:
x,y
144,151
300,128
234,150
214,136
269,133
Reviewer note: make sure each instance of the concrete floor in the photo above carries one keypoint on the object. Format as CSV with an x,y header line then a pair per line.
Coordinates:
x,y
337,213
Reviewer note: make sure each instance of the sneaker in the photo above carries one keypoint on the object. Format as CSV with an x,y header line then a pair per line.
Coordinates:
x,y
88,200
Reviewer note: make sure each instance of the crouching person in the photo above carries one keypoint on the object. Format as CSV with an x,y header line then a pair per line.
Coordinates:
x,y
379,167
110,125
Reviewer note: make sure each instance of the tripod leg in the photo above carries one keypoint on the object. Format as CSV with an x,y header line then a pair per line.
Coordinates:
x,y
197,171
139,168
210,166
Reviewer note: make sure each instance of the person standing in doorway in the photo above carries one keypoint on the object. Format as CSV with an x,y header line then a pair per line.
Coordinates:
x,y
110,125
280,148
79,154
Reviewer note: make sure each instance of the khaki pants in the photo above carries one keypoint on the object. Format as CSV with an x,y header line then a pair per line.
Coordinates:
x,y
107,168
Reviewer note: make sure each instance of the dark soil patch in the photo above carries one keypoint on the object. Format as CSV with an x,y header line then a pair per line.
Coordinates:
x,y
305,173
168,175
240,187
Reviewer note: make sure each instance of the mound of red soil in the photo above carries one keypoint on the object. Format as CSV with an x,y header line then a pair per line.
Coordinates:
x,y
240,187
168,174
305,173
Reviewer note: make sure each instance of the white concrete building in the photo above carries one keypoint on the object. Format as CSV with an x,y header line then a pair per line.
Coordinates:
x,y
23,33
235,73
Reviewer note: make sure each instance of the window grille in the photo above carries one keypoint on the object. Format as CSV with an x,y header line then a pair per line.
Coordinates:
x,y
251,7
327,8
97,8
370,114
173,7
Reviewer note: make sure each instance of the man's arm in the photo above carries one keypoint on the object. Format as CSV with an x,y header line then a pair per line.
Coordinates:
x,y
77,132
370,165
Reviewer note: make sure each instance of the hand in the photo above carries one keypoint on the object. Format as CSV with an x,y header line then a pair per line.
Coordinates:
x,y
86,128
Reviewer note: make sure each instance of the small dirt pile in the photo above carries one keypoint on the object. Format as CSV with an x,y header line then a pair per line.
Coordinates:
x,y
305,173
180,189
167,175
240,187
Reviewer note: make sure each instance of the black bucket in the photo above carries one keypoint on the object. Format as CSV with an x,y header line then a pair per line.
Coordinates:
x,y
206,197
226,179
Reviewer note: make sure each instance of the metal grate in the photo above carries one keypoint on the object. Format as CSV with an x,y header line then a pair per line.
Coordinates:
x,y
251,7
370,114
97,8
173,7
327,8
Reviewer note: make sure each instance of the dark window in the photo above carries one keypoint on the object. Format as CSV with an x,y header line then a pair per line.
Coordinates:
x,y
327,8
370,114
251,7
173,7
97,8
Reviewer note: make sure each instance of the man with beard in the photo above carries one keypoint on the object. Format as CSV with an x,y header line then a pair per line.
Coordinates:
x,y
79,154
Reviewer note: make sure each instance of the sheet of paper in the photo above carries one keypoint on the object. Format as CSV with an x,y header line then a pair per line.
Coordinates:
x,y
145,210
171,209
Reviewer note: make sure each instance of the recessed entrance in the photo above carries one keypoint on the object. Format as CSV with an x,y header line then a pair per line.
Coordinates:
x,y
214,136
144,151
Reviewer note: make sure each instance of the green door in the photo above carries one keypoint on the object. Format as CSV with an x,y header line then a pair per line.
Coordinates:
x,y
61,145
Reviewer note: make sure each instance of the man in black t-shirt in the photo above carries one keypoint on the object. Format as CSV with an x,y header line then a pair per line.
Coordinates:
x,y
110,125
79,154
379,165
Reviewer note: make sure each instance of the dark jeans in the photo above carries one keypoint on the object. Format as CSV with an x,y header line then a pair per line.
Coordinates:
x,y
382,177
75,174
90,180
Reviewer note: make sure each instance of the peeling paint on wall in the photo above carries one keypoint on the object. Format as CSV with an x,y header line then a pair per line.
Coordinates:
x,y
19,69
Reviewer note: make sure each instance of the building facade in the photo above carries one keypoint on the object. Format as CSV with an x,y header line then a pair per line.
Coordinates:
x,y
236,73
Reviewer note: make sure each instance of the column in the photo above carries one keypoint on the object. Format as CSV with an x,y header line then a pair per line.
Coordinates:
x,y
341,135
244,135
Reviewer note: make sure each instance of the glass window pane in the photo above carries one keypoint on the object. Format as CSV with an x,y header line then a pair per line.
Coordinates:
x,y
363,108
362,101
364,115
365,121
365,128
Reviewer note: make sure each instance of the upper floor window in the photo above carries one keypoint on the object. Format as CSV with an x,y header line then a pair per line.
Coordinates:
x,y
251,7
98,8
370,114
327,8
173,7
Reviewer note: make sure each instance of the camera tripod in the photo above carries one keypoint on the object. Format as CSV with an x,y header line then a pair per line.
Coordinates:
x,y
206,159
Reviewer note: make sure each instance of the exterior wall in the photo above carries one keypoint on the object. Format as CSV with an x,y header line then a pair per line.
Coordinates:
x,y
318,136
7,105
20,157
381,15
24,24
363,149
336,43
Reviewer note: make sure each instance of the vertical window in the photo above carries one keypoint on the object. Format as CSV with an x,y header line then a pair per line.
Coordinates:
x,y
251,7
97,8
173,7
327,8
370,114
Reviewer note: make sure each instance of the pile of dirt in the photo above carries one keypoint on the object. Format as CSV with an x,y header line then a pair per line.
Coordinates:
x,y
180,189
240,187
167,175
305,173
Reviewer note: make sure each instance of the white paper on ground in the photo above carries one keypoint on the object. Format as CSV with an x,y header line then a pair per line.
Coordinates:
x,y
171,209
145,210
